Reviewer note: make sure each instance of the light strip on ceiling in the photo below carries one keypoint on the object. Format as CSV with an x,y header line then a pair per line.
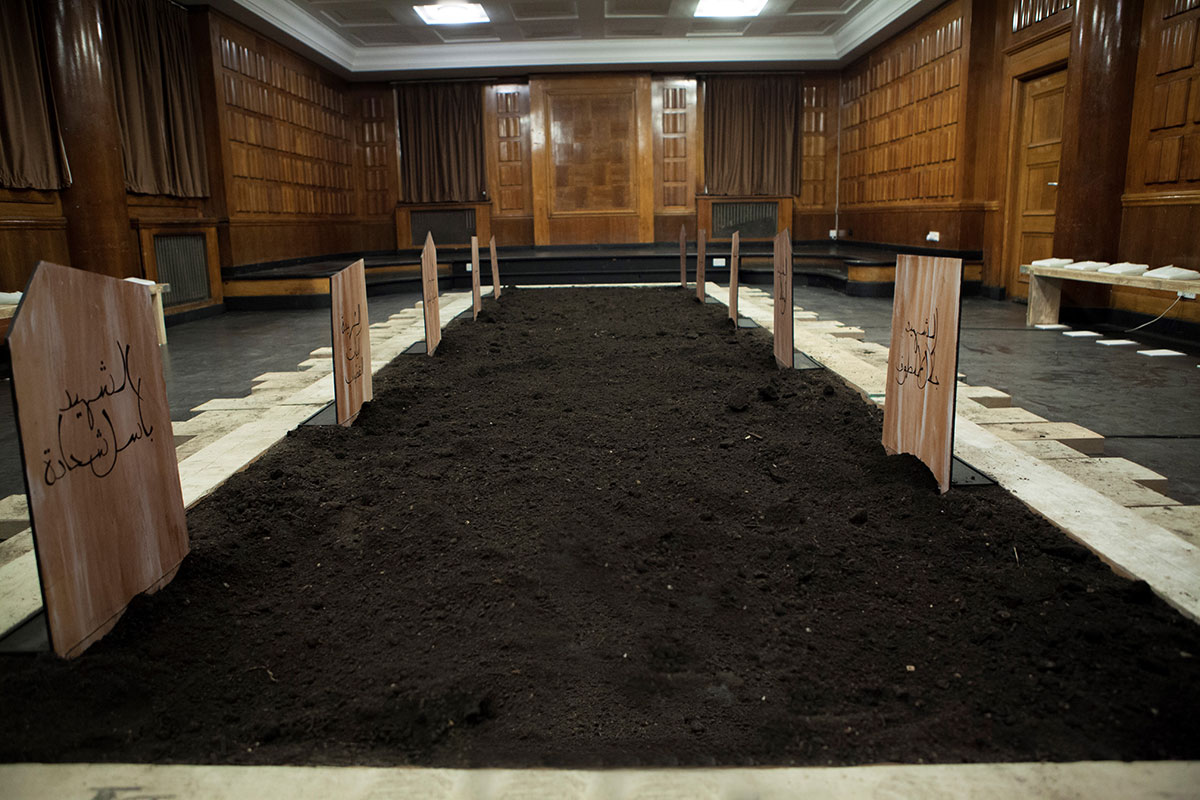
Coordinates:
x,y
729,8
452,14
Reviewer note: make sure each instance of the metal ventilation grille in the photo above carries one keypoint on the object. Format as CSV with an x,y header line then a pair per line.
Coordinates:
x,y
448,226
182,262
754,220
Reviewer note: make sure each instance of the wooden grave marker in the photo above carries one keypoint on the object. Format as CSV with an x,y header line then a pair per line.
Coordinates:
x,y
918,411
495,269
700,266
429,296
683,256
476,300
733,277
784,351
105,501
351,341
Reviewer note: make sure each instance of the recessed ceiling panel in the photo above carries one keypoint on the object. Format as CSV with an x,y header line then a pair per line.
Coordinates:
x,y
466,33
555,29
637,8
719,26
813,24
378,35
625,28
543,9
344,14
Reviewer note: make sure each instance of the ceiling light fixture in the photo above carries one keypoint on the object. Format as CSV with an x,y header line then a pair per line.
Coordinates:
x,y
452,14
729,8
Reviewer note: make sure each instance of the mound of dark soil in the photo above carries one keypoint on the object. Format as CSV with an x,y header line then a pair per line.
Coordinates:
x,y
600,528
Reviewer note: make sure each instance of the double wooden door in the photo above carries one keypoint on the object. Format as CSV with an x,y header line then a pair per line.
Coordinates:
x,y
1034,193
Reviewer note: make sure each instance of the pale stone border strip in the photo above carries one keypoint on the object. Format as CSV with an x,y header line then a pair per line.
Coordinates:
x,y
1133,543
1085,780
201,472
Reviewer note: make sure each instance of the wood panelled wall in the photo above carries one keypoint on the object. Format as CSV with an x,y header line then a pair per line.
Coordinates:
x,y
32,228
903,108
1161,216
307,160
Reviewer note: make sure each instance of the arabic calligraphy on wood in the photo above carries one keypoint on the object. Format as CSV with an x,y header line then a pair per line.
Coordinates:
x,y
784,351
918,414
96,443
351,341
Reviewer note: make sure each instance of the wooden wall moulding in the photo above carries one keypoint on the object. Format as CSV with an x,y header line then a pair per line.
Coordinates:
x,y
506,127
592,159
922,376
901,111
1027,13
351,330
785,355
99,458
430,307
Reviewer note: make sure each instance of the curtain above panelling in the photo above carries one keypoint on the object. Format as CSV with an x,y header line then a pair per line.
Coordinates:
x,y
158,101
441,142
752,134
28,140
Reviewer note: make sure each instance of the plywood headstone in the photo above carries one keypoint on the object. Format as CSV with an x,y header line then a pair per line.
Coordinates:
x,y
476,298
495,269
351,341
97,448
700,266
683,256
429,296
918,411
784,352
733,277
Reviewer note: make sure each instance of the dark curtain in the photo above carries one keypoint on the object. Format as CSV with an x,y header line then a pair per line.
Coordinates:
x,y
441,142
29,148
158,102
752,134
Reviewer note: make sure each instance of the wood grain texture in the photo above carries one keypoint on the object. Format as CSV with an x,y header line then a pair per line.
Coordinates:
x,y
429,296
506,136
785,355
351,331
476,294
495,268
98,453
700,264
734,256
676,128
918,412
592,159
901,109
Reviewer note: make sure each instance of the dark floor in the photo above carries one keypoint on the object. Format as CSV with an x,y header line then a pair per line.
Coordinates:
x,y
1148,408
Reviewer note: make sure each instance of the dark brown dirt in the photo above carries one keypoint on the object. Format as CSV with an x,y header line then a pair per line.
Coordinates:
x,y
600,528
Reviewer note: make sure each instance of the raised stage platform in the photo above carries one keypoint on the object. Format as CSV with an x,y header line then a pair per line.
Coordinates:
x,y
861,269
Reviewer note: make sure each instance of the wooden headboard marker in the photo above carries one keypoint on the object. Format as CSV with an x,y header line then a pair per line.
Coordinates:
x,y
922,376
683,256
105,501
351,341
495,269
733,277
429,296
700,265
784,352
476,301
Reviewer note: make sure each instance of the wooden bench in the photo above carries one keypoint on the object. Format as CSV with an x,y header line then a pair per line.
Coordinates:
x,y
6,315
156,292
1045,288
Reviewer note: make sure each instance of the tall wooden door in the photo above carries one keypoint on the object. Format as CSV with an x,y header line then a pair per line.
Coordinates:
x,y
593,173
1034,193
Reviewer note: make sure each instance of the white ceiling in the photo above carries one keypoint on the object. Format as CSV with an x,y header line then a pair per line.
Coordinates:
x,y
386,38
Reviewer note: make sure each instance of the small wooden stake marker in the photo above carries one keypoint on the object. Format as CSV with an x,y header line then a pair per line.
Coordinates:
x,y
700,266
476,301
733,277
429,296
96,445
784,352
351,341
918,411
495,269
683,256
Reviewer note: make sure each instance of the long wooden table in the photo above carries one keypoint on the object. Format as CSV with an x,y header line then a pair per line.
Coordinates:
x,y
1045,288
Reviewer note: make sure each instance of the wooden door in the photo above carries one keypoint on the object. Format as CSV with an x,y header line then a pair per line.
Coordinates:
x,y
1034,194
592,159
